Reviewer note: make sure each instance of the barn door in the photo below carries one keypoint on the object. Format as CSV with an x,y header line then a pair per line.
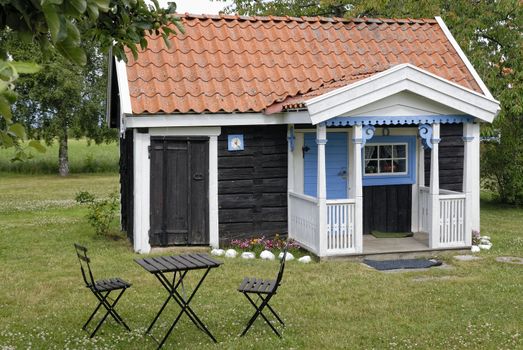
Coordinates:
x,y
179,191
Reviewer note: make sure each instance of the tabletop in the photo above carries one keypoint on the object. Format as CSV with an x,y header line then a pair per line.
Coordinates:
x,y
175,263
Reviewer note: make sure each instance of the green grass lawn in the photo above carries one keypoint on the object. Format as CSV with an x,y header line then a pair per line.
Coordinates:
x,y
83,158
327,305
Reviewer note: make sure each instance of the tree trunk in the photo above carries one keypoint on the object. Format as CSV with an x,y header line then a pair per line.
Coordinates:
x,y
63,154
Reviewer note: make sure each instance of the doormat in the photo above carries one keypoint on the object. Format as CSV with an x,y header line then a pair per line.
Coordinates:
x,y
381,234
383,265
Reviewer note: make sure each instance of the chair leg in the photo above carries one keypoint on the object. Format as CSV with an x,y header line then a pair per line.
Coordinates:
x,y
259,311
110,311
94,312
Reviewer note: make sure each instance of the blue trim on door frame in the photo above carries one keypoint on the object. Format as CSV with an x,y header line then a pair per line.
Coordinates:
x,y
406,179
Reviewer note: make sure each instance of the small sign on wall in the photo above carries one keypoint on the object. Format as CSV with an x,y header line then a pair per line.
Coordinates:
x,y
235,142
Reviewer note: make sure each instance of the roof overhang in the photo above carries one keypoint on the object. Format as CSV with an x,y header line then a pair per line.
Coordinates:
x,y
403,77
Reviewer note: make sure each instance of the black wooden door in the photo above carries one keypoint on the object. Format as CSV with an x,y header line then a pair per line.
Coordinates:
x,y
179,191
387,208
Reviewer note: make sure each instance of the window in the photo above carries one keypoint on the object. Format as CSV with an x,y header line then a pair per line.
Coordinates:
x,y
386,159
389,160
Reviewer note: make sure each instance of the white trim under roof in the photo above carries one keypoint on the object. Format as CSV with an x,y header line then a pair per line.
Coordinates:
x,y
123,89
215,119
463,57
403,77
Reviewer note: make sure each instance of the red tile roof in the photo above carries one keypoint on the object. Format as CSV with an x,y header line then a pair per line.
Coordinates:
x,y
248,64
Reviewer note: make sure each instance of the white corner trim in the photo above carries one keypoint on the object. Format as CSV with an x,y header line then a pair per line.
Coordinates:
x,y
403,77
463,57
214,227
141,193
123,89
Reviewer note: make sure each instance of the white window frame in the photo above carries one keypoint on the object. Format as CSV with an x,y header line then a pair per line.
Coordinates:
x,y
407,155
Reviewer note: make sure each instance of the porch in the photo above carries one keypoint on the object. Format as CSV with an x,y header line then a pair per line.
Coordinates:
x,y
440,218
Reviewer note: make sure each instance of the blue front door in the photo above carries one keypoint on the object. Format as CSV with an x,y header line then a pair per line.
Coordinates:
x,y
336,164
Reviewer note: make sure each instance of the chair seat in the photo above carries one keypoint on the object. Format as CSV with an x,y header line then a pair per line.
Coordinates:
x,y
256,285
110,284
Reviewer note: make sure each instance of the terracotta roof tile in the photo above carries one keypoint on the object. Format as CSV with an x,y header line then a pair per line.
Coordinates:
x,y
225,63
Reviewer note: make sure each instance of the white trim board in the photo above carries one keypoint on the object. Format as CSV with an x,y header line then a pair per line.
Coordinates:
x,y
125,94
463,57
218,119
403,77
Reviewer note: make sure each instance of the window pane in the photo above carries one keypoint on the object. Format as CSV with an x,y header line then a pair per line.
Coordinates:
x,y
400,151
400,166
385,151
371,152
385,166
371,167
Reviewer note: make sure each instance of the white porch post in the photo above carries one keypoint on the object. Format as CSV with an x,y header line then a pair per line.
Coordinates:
x,y
471,179
434,188
290,178
420,182
357,186
321,140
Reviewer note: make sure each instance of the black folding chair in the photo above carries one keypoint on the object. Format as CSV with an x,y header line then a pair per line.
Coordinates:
x,y
265,290
101,289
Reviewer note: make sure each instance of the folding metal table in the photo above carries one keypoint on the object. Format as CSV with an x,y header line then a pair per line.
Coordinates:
x,y
179,266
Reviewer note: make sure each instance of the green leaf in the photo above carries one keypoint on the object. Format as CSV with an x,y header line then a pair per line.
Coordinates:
x,y
26,67
6,141
53,20
72,52
79,5
17,130
5,108
103,5
37,146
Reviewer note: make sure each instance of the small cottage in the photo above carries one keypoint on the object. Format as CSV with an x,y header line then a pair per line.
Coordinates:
x,y
327,129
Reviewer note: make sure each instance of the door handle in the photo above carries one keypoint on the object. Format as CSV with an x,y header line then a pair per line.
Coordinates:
x,y
197,176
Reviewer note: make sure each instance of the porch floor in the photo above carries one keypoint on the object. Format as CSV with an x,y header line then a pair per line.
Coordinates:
x,y
373,245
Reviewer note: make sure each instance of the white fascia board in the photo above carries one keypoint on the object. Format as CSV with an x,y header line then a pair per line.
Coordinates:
x,y
463,57
123,89
214,119
404,77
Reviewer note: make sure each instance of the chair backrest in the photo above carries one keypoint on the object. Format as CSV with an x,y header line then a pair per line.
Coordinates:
x,y
282,264
85,266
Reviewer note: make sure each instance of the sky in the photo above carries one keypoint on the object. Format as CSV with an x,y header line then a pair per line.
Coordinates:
x,y
198,6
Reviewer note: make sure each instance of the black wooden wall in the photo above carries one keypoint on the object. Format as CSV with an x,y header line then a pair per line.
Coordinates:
x,y
252,184
127,183
387,208
451,151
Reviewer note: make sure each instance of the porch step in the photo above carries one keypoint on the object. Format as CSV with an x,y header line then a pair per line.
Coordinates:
x,y
429,253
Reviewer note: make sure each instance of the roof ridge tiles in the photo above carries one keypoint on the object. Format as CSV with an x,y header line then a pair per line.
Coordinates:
x,y
269,18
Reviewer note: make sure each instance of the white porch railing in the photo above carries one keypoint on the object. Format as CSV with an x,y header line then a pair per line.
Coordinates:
x,y
341,236
451,231
451,218
303,220
424,209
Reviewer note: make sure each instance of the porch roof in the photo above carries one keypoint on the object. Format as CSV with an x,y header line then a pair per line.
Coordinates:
x,y
335,106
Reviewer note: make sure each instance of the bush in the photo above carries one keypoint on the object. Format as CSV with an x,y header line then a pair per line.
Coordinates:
x,y
100,212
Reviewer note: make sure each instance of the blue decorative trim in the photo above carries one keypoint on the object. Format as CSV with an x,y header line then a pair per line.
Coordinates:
x,y
425,132
291,139
402,179
400,120
321,141
468,138
368,132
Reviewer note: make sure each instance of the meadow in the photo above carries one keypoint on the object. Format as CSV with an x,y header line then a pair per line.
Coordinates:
x,y
338,304
330,304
